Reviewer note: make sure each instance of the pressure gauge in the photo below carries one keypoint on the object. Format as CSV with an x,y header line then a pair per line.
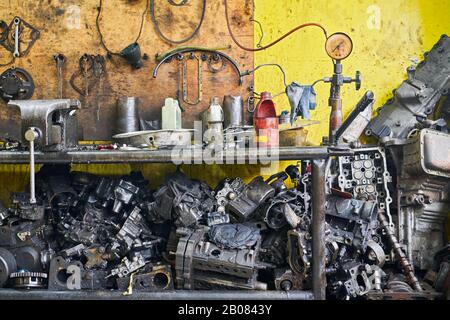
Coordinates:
x,y
339,46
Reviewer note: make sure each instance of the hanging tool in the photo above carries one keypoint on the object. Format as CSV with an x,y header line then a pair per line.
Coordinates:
x,y
60,60
92,69
168,57
210,55
178,4
16,84
184,79
132,52
12,36
16,52
173,3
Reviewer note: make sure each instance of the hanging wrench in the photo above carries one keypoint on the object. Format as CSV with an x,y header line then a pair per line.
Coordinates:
x,y
16,53
60,61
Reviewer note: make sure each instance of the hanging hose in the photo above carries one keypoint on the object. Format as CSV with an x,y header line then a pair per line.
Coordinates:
x,y
310,24
158,29
249,72
102,41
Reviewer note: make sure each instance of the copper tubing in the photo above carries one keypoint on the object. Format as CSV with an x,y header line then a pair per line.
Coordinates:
x,y
310,24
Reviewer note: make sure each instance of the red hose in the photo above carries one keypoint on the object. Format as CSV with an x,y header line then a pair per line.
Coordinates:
x,y
310,24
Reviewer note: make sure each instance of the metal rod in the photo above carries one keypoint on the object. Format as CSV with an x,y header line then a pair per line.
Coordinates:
x,y
161,156
405,264
318,229
9,294
32,182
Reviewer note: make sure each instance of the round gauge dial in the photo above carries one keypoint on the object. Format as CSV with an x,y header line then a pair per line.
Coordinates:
x,y
339,46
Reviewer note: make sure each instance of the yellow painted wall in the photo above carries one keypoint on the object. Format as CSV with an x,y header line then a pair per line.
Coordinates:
x,y
388,36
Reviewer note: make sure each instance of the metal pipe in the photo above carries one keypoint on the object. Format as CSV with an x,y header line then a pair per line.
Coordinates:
x,y
31,135
318,229
32,173
409,212
10,294
127,115
163,156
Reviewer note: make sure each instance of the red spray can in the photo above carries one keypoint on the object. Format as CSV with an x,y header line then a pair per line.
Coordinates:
x,y
265,121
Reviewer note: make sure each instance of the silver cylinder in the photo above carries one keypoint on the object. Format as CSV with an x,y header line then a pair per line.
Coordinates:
x,y
319,281
127,115
233,108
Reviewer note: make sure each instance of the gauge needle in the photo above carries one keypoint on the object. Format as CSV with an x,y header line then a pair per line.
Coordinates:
x,y
338,46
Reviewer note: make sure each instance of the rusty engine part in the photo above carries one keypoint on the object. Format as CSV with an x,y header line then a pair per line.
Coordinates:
x,y
415,100
405,264
357,121
218,262
101,233
423,169
16,84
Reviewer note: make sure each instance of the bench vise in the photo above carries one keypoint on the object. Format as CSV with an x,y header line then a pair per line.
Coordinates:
x,y
55,122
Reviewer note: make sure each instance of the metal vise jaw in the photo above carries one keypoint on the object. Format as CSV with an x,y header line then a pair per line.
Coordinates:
x,y
55,121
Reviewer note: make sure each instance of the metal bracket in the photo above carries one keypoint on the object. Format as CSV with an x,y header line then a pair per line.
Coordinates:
x,y
184,79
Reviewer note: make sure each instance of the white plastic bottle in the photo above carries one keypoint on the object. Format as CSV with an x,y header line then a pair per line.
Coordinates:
x,y
171,115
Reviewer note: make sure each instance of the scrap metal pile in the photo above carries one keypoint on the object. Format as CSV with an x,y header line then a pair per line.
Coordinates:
x,y
92,232
89,232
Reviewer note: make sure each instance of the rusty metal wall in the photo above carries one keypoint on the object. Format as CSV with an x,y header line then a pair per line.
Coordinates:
x,y
68,27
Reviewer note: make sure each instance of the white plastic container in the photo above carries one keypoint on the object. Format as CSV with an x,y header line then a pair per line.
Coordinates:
x,y
171,115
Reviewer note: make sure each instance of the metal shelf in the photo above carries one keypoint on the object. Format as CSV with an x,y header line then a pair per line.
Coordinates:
x,y
8,294
248,156
318,155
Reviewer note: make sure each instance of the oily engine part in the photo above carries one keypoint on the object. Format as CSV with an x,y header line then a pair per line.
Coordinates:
x,y
29,280
285,209
102,233
67,274
365,176
423,166
200,264
241,199
8,265
417,97
158,278
351,221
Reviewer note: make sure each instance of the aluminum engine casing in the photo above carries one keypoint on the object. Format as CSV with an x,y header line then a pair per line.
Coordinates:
x,y
201,264
424,195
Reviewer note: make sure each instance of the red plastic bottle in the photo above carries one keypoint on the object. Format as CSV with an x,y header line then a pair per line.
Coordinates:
x,y
266,122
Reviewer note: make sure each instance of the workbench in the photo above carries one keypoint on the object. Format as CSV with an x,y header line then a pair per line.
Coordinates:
x,y
317,155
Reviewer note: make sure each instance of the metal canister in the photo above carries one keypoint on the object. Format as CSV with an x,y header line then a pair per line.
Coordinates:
x,y
213,122
127,115
233,111
265,121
